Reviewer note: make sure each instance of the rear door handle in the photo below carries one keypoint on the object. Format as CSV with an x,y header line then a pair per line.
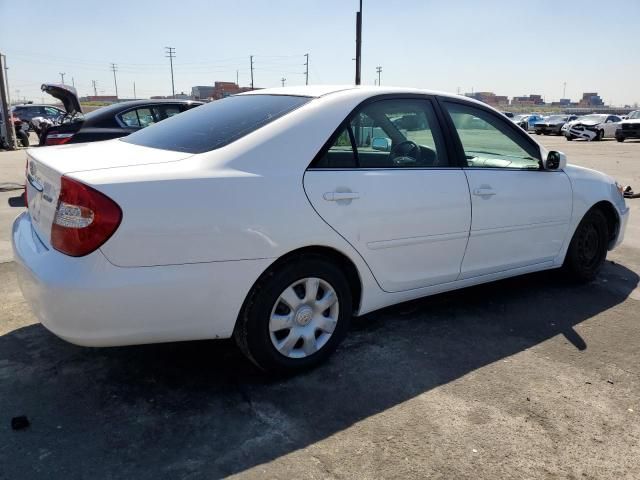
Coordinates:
x,y
484,192
335,196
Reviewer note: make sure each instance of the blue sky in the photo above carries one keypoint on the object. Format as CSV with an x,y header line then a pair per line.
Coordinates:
x,y
509,47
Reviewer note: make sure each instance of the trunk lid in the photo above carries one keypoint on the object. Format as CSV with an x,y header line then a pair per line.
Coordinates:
x,y
46,166
66,94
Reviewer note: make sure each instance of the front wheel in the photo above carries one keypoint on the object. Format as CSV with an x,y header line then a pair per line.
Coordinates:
x,y
620,139
295,316
599,135
588,248
569,138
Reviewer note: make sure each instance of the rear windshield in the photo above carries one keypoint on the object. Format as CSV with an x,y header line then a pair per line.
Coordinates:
x,y
216,124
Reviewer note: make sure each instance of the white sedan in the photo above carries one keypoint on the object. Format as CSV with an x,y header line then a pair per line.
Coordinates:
x,y
595,126
275,216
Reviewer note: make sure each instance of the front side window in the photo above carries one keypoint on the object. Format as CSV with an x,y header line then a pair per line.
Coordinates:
x,y
490,142
394,133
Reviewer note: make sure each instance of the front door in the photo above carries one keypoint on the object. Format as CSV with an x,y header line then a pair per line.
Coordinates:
x,y
385,184
520,212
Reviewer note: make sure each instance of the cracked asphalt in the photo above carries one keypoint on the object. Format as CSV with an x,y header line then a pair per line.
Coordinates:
x,y
530,377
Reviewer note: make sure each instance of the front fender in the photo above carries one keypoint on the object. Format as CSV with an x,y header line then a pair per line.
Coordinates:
x,y
591,187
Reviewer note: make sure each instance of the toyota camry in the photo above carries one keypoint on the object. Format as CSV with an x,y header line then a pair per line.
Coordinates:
x,y
275,216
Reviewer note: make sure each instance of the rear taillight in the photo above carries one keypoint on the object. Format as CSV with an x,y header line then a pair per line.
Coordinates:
x,y
58,138
84,219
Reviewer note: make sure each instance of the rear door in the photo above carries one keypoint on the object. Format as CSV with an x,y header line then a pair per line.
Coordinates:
x,y
521,213
386,184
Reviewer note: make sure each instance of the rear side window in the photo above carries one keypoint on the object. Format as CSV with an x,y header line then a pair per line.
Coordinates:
x,y
216,124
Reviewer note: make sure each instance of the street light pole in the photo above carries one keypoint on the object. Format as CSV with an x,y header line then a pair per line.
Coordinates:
x,y
358,44
306,71
379,70
62,77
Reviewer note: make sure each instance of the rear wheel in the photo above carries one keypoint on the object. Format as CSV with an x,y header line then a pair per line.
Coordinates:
x,y
620,139
588,248
569,138
295,316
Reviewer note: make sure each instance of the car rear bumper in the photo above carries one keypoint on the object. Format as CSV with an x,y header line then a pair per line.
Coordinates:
x,y
89,301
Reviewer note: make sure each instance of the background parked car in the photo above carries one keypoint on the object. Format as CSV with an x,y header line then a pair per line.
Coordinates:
x,y
553,124
527,122
28,112
595,126
629,128
113,121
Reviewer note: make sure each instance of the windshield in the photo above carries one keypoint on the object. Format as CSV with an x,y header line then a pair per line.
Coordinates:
x,y
556,118
216,124
592,118
517,118
634,115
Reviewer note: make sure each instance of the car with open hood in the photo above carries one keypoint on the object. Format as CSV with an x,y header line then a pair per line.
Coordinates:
x,y
630,127
552,125
276,215
113,121
595,126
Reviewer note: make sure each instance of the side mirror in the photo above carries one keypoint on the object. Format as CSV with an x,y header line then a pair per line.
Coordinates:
x,y
555,161
381,144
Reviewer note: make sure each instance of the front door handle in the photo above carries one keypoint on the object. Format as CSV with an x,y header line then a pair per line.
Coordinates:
x,y
336,196
484,192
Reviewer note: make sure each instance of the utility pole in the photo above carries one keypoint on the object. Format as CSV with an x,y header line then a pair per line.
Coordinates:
x,y
251,65
62,76
283,80
4,103
306,70
114,69
358,43
238,77
134,91
95,88
171,53
564,90
379,71
73,82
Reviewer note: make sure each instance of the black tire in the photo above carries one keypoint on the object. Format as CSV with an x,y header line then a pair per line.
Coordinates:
x,y
23,138
588,248
252,329
620,139
569,138
599,136
538,132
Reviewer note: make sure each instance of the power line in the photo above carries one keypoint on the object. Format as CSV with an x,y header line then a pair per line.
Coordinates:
x,y
114,69
171,53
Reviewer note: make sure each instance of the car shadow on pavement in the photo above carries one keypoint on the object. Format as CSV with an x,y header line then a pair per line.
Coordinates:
x,y
178,409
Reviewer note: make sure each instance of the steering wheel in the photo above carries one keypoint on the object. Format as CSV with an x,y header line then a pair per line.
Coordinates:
x,y
405,153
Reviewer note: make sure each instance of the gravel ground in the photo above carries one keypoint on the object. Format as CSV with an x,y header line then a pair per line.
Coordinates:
x,y
524,378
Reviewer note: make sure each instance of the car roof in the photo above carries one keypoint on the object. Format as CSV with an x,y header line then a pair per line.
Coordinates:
x,y
316,91
27,105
